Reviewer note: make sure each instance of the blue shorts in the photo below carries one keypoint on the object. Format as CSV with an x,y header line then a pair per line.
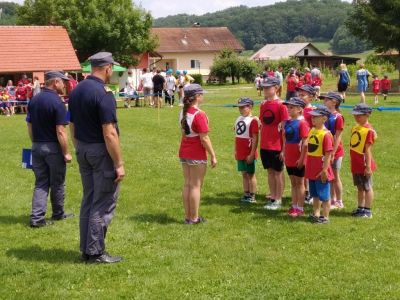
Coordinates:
x,y
320,190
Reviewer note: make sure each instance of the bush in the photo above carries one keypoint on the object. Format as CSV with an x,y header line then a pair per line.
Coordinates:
x,y
285,63
198,78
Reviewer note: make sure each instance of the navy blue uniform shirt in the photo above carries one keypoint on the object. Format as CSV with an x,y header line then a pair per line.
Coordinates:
x,y
91,106
45,112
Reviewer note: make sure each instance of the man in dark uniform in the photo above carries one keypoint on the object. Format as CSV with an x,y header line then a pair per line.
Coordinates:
x,y
96,139
47,118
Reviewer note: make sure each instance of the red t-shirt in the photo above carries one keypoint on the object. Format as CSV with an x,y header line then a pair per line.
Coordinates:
x,y
317,81
20,93
270,73
291,84
191,146
307,78
243,144
376,85
357,160
314,164
307,116
272,113
293,149
386,84
300,83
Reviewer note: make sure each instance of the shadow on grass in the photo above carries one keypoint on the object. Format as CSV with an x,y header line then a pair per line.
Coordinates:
x,y
12,220
53,256
162,219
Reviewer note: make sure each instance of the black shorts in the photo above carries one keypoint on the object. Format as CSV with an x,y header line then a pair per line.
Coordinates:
x,y
270,160
385,92
294,171
157,93
342,87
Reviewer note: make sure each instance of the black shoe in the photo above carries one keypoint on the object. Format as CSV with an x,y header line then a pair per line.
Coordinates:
x,y
84,257
63,217
41,224
104,258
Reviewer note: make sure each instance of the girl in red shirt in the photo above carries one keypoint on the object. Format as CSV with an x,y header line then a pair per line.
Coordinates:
x,y
335,124
376,86
195,144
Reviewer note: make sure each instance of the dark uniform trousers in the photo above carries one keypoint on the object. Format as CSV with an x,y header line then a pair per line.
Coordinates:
x,y
100,195
49,168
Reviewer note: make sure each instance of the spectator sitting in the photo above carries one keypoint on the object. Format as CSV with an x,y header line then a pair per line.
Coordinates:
x,y
20,94
4,102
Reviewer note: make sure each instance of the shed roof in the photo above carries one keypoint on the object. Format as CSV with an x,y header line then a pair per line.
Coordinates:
x,y
36,48
278,51
195,39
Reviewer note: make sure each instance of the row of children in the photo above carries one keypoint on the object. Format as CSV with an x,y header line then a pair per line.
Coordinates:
x,y
381,85
308,142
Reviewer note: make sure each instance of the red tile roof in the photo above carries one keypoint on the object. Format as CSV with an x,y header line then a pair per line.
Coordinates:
x,y
195,39
36,48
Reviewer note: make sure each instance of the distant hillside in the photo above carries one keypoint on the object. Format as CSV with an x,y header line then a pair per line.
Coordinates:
x,y
7,15
282,22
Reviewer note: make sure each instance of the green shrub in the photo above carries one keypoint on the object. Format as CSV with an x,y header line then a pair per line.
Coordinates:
x,y
198,78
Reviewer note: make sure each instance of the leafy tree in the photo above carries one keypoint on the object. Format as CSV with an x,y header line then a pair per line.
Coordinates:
x,y
378,22
7,15
300,39
116,26
344,42
228,64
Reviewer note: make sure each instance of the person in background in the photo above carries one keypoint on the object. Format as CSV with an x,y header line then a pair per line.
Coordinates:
x,y
170,86
291,82
307,76
129,90
257,82
376,86
36,86
10,90
362,81
146,81
279,75
344,81
20,96
386,85
158,87
71,84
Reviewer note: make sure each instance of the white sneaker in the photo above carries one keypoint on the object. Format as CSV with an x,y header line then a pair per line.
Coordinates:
x,y
273,205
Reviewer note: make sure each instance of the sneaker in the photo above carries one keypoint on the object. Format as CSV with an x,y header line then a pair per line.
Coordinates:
x,y
104,258
244,198
367,214
308,200
322,220
299,213
358,211
291,211
313,218
339,204
273,205
251,199
295,212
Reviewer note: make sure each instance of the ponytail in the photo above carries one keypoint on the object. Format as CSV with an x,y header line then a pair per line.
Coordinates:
x,y
187,103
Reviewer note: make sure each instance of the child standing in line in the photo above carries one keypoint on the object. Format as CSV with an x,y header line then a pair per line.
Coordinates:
x,y
376,86
291,83
294,153
317,83
247,128
307,93
386,85
362,163
195,144
273,115
335,124
318,167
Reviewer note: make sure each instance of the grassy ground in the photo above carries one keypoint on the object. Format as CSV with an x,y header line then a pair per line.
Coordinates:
x,y
242,251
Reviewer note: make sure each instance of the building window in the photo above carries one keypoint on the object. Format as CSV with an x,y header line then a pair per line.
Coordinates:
x,y
195,64
305,52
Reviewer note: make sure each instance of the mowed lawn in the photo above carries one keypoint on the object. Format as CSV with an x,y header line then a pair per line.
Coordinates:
x,y
242,252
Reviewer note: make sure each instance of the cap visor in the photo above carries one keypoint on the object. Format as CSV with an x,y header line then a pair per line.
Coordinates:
x,y
315,114
116,63
358,113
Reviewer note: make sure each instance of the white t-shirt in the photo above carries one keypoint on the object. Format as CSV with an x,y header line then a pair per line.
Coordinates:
x,y
147,80
130,85
170,80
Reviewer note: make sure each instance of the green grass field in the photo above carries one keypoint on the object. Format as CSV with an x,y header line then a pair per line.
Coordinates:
x,y
242,252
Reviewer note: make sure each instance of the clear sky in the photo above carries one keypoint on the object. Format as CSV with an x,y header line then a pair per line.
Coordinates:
x,y
163,8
